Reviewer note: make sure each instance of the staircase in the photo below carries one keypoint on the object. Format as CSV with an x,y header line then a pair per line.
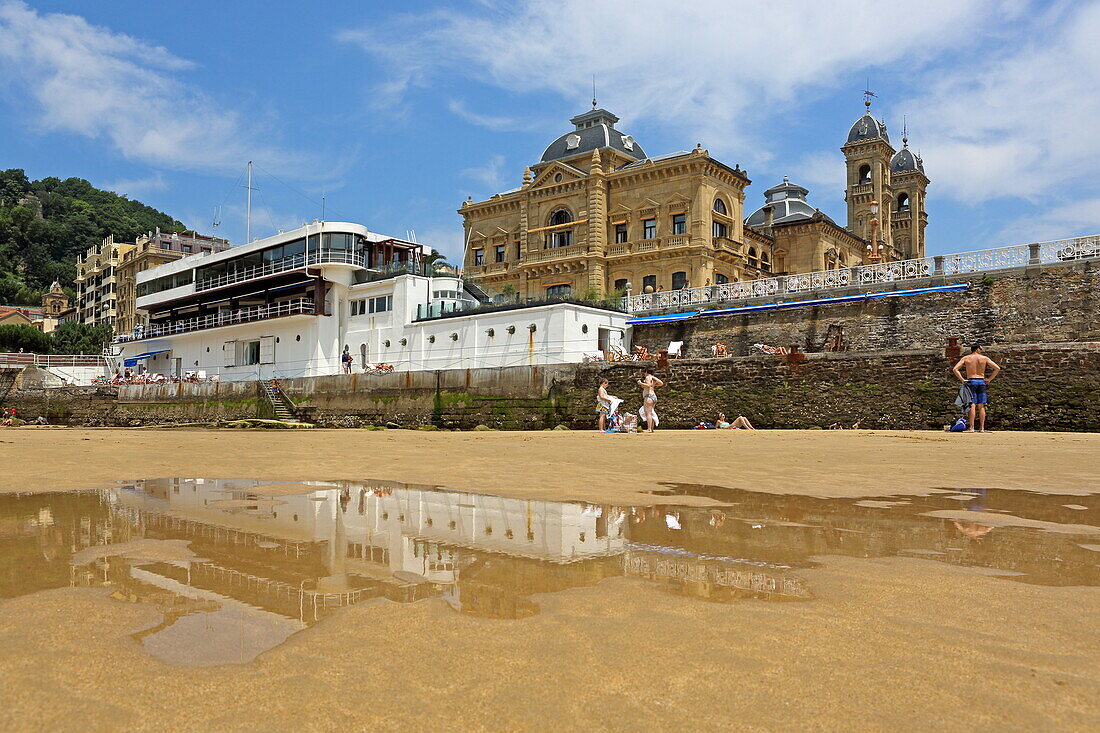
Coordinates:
x,y
280,403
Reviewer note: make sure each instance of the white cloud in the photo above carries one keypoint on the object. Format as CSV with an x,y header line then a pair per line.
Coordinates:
x,y
490,175
88,80
492,122
1020,124
135,188
714,69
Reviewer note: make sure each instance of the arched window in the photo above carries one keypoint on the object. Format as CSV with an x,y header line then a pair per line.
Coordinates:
x,y
752,257
903,202
561,216
559,237
679,280
720,207
649,283
864,174
559,291
765,263
720,279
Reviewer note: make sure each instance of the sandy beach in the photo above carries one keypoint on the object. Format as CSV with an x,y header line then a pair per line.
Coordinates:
x,y
899,642
563,465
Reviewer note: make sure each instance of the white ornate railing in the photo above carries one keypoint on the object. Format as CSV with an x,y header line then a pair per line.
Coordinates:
x,y
300,306
1062,250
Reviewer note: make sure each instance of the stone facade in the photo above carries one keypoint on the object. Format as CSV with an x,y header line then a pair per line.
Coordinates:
x,y
601,218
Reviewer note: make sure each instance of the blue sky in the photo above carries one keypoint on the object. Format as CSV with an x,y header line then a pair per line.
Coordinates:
x,y
399,111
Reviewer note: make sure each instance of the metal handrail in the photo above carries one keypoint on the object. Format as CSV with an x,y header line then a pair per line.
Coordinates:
x,y
285,264
302,306
51,360
977,261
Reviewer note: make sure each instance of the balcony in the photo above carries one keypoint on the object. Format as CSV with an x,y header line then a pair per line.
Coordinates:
x,y
301,306
558,253
862,188
287,264
725,244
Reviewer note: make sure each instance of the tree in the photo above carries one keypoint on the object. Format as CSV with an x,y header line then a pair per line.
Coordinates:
x,y
25,337
80,338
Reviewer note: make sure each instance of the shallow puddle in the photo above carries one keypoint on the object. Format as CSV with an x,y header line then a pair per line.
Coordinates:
x,y
235,567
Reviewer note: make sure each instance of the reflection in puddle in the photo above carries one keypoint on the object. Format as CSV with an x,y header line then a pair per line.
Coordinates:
x,y
236,566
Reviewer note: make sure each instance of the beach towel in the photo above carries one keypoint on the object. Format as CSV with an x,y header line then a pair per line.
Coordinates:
x,y
964,398
641,416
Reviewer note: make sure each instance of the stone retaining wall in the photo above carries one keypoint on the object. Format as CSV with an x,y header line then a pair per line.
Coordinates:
x,y
1044,304
1043,387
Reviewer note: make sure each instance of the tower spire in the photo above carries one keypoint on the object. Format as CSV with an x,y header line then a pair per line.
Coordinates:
x,y
867,95
904,131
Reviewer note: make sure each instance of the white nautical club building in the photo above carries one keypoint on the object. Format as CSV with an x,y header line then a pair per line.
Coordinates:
x,y
288,306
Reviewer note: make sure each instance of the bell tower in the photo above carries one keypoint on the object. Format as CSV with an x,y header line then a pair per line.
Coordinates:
x,y
867,154
909,184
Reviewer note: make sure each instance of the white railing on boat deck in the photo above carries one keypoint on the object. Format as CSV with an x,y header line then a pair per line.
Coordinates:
x,y
1062,250
285,264
300,306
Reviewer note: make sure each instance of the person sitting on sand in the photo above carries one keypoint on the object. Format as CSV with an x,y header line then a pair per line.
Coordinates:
x,y
741,423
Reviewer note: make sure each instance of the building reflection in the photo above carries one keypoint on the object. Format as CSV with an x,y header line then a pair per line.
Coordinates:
x,y
267,560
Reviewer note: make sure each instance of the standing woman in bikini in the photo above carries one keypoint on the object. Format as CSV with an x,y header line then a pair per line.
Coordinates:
x,y
649,384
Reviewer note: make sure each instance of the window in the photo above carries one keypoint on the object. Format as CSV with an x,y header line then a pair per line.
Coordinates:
x,y
765,264
479,257
500,254
559,291
720,207
620,285
649,283
720,279
649,229
679,223
561,216
620,234
248,353
381,304
679,280
752,257
864,175
519,250
719,230
903,202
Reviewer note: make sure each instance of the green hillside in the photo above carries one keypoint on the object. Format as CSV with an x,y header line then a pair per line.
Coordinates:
x,y
45,224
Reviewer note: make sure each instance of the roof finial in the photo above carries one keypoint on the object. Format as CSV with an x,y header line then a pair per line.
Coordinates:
x,y
593,91
904,132
867,94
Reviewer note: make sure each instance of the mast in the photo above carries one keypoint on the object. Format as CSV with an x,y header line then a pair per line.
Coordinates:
x,y
248,210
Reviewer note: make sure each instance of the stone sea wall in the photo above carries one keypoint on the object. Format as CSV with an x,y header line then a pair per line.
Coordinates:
x,y
1035,305
1043,387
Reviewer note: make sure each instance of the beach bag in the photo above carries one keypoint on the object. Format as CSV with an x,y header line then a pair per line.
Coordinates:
x,y
959,426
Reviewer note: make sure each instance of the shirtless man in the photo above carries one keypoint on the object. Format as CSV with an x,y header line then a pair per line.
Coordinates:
x,y
649,384
976,364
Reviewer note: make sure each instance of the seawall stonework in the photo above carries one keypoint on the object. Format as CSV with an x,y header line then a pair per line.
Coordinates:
x,y
1043,387
1048,304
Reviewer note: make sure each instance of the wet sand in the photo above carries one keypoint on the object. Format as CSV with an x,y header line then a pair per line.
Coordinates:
x,y
886,643
563,465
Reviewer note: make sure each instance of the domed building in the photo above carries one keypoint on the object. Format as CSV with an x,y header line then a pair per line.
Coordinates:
x,y
597,214
886,216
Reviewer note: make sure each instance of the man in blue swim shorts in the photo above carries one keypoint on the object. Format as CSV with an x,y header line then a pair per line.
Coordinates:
x,y
976,364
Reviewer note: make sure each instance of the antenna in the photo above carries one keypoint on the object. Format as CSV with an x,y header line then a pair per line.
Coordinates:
x,y
217,220
248,209
322,205
593,91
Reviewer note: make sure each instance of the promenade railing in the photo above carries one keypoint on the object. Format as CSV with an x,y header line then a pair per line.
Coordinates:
x,y
47,361
300,306
978,261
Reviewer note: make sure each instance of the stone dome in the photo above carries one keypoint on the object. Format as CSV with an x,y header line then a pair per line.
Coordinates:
x,y
867,128
906,160
595,130
788,200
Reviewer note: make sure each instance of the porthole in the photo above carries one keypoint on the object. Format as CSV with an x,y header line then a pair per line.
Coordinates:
x,y
276,339
584,328
298,337
207,349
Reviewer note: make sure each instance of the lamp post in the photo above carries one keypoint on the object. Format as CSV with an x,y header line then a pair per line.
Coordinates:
x,y
873,246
